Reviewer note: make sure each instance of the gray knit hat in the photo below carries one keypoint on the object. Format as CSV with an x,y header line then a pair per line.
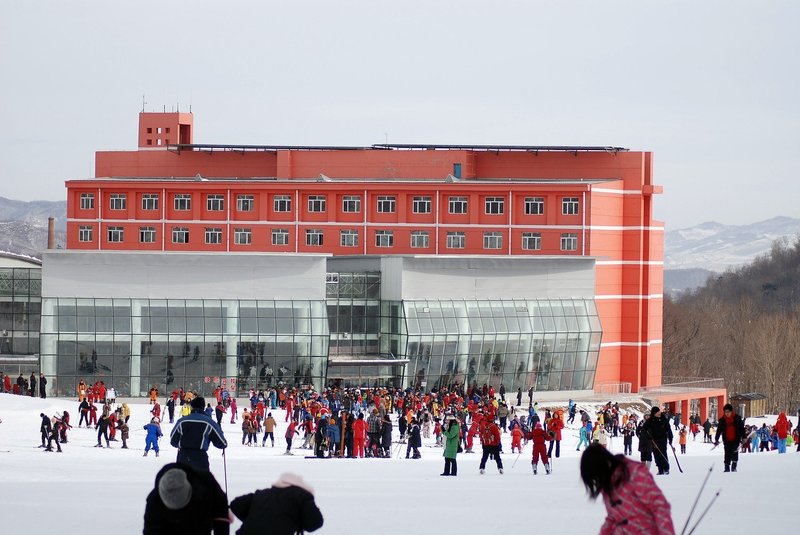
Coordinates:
x,y
174,489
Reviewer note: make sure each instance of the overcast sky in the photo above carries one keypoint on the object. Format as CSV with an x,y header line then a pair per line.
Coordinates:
x,y
710,87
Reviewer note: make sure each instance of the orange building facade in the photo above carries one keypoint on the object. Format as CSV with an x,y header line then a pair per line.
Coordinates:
x,y
175,196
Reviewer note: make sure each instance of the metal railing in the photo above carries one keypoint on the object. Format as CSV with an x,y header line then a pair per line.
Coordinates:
x,y
684,383
612,388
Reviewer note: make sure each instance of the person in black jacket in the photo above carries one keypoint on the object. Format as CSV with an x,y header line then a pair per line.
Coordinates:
x,y
186,500
194,433
658,431
45,428
414,439
731,429
286,508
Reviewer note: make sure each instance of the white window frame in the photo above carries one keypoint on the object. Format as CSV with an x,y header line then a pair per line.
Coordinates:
x,y
280,236
213,235
180,234
420,239
242,236
569,241
149,201
317,203
421,204
457,204
182,202
116,234
245,202
492,240
282,203
387,204
351,204
348,238
531,241
456,240
85,233
384,238
117,201
570,206
314,237
87,201
494,205
534,205
215,202
145,233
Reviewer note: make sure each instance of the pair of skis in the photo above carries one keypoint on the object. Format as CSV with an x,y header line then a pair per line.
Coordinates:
x,y
694,505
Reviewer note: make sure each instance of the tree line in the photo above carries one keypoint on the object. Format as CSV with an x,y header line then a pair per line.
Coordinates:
x,y
743,326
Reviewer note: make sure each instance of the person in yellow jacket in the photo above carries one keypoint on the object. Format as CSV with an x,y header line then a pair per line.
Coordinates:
x,y
186,409
126,412
269,430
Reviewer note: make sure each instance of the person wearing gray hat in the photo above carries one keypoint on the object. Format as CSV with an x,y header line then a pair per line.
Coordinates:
x,y
186,500
194,433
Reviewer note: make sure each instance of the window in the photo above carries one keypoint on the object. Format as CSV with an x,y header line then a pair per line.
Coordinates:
x,y
242,236
495,205
492,240
213,235
384,238
569,206
386,204
87,201
215,203
456,240
147,234
421,205
150,201
183,202
115,234
316,203
280,236
245,203
419,239
531,241
282,203
351,204
85,233
534,205
314,237
569,242
349,238
180,235
457,205
118,201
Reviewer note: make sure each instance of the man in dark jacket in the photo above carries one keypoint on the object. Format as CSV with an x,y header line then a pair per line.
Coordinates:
x,y
45,428
284,509
185,500
42,386
658,431
194,433
731,429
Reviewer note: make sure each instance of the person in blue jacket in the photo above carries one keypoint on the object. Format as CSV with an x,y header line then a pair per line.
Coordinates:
x,y
334,438
194,433
153,434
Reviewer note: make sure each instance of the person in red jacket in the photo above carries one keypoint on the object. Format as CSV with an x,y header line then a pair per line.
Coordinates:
x,y
490,440
359,435
539,437
516,439
634,503
554,427
92,413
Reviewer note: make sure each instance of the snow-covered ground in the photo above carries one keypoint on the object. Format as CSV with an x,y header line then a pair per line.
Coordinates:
x,y
103,490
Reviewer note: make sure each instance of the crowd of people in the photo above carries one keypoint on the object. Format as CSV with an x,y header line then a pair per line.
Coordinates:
x,y
24,386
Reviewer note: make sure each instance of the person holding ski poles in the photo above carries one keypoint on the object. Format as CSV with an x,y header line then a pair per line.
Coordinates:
x,y
193,434
634,503
731,429
657,431
539,437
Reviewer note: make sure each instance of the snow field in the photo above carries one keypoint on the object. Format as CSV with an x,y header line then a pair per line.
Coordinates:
x,y
88,488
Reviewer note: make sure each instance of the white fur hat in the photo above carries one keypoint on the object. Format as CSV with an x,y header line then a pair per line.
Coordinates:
x,y
289,479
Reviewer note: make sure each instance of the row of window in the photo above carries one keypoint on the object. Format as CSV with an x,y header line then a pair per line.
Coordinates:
x,y
386,204
531,241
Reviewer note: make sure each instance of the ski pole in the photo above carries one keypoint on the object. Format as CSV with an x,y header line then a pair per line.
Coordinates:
x,y
676,459
705,511
697,499
225,471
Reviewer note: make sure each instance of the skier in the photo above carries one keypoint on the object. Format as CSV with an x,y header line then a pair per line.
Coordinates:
x,y
45,428
171,409
269,430
193,434
731,429
291,431
359,434
554,426
682,438
102,430
414,439
658,431
451,447
153,434
386,437
84,410
123,432
234,410
219,412
284,509
627,438
634,503
490,441
54,434
538,436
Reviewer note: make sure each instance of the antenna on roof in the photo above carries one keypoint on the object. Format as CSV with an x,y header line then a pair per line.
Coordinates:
x,y
143,102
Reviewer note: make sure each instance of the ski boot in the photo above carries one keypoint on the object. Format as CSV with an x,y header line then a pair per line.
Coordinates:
x,y
145,454
547,468
483,471
501,471
727,467
733,466
534,470
156,454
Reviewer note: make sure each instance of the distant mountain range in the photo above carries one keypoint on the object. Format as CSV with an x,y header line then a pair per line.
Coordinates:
x,y
691,254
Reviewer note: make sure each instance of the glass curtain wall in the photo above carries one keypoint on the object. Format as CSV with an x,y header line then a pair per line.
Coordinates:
x,y
20,310
134,344
547,344
353,301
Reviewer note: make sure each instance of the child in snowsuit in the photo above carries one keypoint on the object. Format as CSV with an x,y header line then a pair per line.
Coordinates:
x,y
682,438
539,436
123,432
516,439
153,434
586,432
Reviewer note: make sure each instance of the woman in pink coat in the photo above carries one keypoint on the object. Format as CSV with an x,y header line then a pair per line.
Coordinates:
x,y
634,503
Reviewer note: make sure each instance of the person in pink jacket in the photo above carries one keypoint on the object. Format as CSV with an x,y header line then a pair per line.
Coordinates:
x,y
634,503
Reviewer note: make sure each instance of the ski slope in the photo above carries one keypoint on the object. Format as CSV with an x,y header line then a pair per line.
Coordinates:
x,y
104,489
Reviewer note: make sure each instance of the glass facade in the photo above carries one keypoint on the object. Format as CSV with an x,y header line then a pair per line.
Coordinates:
x,y
548,344
20,308
133,344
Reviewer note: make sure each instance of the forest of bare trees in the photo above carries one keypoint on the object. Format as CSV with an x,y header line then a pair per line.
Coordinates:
x,y
743,326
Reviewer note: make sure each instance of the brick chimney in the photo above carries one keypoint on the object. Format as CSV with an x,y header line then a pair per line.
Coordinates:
x,y
51,232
